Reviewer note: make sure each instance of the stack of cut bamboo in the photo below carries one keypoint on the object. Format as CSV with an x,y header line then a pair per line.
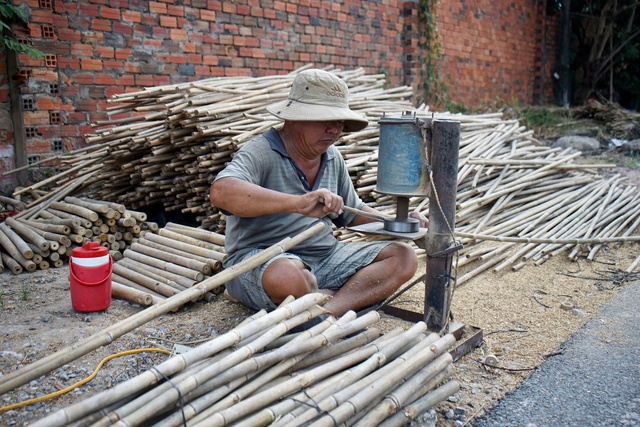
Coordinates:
x,y
173,140
338,372
45,237
159,265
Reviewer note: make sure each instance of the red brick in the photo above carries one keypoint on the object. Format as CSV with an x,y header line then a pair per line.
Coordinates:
x,y
214,5
110,13
87,10
131,67
131,16
179,59
291,8
161,33
68,34
104,52
70,8
38,146
42,16
168,21
161,80
122,28
142,80
189,47
86,105
123,54
92,37
68,63
243,9
208,15
159,8
75,118
104,79
83,78
125,80
175,10
91,64
48,104
81,49
178,35
34,118
102,25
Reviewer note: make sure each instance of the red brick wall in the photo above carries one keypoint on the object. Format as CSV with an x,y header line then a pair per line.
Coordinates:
x,y
492,51
99,48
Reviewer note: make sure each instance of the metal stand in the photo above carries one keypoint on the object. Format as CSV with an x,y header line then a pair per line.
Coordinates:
x,y
439,239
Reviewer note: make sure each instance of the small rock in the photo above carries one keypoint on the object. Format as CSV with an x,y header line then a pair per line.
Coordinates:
x,y
427,419
449,414
580,143
578,312
631,146
567,305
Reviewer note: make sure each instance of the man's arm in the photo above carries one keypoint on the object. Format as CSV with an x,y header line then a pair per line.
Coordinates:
x,y
249,200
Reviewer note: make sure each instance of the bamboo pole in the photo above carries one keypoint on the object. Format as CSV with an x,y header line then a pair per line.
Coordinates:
x,y
126,293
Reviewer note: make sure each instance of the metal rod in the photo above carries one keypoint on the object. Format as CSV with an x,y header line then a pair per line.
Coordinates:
x,y
372,215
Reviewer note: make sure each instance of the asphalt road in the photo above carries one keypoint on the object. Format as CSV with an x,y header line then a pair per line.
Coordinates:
x,y
595,382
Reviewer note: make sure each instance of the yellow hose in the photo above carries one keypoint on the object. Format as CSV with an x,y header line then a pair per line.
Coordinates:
x,y
84,381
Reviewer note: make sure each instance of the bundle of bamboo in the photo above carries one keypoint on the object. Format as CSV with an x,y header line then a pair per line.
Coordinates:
x,y
160,265
44,237
339,371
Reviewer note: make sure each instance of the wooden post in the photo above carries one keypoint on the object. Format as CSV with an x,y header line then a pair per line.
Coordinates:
x,y
443,157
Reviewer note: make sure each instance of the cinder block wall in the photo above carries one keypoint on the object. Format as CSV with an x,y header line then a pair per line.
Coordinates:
x,y
98,48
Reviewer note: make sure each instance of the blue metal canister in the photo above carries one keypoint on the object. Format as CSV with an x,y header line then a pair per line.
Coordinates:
x,y
403,168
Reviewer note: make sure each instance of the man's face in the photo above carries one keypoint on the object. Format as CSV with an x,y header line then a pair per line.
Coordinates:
x,y
315,137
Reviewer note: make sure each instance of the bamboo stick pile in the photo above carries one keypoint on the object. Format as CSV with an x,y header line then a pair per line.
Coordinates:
x,y
161,264
169,142
44,236
341,371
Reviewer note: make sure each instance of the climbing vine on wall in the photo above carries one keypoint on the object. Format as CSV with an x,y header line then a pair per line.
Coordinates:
x,y
435,89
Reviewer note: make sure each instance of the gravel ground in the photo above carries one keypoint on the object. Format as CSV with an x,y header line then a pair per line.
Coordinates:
x,y
595,381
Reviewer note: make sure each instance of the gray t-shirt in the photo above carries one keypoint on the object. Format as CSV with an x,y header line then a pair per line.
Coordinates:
x,y
265,162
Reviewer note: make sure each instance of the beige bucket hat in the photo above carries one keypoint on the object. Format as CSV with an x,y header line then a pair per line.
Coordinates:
x,y
317,95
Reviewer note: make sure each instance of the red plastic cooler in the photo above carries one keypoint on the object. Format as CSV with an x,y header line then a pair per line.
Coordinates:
x,y
90,268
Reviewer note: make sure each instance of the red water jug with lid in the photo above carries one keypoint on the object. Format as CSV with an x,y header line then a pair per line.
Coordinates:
x,y
90,268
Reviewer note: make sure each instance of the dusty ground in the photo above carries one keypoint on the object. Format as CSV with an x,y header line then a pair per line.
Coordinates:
x,y
520,314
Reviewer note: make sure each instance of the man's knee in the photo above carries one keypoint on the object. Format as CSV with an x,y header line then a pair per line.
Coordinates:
x,y
286,276
405,259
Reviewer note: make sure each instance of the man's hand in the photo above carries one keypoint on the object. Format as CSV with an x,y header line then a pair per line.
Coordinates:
x,y
320,203
424,221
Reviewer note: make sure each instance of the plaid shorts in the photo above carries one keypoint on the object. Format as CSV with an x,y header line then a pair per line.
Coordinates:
x,y
331,271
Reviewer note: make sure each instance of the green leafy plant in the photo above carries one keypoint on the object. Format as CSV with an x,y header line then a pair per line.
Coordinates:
x,y
1,298
10,14
435,89
26,294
